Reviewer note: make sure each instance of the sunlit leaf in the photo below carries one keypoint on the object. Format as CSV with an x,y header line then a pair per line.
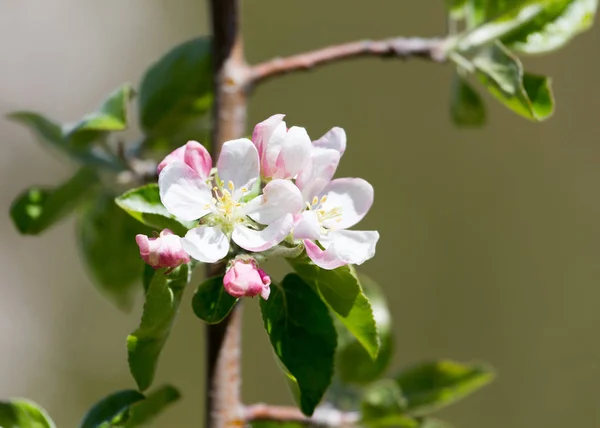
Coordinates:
x,y
145,344
19,413
303,338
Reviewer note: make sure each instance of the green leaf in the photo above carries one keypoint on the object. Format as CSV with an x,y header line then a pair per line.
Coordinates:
x,y
456,8
434,423
432,385
383,402
144,411
354,364
340,290
466,106
560,22
52,135
38,208
177,89
111,115
145,344
129,408
19,413
502,73
303,338
106,236
110,407
143,204
211,303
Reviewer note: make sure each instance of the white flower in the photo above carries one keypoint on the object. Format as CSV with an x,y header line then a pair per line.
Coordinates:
x,y
282,152
224,215
332,206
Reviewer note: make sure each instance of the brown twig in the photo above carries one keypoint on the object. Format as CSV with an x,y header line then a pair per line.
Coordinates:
x,y
223,402
323,417
400,47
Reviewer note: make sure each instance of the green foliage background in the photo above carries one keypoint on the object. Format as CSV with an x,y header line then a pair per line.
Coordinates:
x,y
489,237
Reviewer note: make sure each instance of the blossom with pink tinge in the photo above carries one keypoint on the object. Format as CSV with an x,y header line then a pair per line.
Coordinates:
x,y
163,251
256,225
244,278
194,155
332,206
282,152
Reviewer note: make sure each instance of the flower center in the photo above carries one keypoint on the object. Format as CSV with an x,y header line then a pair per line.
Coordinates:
x,y
225,204
322,214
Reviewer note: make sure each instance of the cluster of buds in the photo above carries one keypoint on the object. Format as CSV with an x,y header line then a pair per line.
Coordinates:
x,y
276,187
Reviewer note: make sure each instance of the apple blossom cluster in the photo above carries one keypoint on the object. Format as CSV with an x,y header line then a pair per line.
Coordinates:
x,y
274,192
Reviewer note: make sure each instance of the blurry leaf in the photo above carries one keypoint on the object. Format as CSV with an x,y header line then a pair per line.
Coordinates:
x,y
143,204
19,413
432,385
147,275
501,25
110,407
129,408
384,405
51,135
502,73
38,208
107,243
341,291
434,423
142,412
456,8
111,115
177,89
353,362
211,303
560,22
303,338
162,303
467,107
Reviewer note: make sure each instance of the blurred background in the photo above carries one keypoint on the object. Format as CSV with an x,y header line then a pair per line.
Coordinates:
x,y
490,237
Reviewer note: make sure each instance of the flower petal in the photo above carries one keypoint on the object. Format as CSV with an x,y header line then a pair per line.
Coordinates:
x,y
206,244
261,240
280,197
238,163
334,139
183,192
295,153
308,226
317,173
264,130
352,196
197,157
324,259
351,246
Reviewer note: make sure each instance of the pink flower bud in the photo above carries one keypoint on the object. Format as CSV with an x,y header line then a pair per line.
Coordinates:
x,y
244,278
194,155
164,251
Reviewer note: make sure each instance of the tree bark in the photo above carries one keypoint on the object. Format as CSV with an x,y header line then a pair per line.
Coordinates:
x,y
223,403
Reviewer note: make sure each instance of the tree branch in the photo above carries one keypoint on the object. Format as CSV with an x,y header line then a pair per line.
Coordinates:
x,y
323,416
432,49
223,402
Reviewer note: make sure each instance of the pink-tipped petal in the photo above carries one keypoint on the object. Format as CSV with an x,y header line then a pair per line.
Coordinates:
x,y
324,259
264,130
183,192
244,278
165,251
352,197
294,154
351,246
194,155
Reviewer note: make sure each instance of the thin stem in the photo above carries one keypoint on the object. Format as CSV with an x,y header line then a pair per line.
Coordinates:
x,y
433,49
323,417
223,403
